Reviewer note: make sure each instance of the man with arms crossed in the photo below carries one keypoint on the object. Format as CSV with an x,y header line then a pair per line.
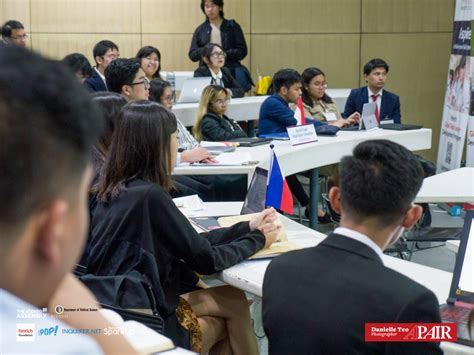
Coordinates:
x,y
317,300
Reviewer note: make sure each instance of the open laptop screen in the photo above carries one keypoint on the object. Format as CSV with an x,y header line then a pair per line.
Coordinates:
x,y
255,199
462,286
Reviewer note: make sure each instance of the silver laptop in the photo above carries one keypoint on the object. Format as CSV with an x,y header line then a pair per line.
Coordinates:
x,y
368,120
192,89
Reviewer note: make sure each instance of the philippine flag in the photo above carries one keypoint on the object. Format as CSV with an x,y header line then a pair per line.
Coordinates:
x,y
278,193
299,113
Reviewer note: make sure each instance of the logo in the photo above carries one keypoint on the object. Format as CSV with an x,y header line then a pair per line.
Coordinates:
x,y
410,332
48,331
31,313
25,332
86,331
59,309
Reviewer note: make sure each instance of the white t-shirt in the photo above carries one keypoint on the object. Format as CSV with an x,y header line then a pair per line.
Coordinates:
x,y
25,329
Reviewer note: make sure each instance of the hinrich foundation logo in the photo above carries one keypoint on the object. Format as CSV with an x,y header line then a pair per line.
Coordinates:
x,y
25,332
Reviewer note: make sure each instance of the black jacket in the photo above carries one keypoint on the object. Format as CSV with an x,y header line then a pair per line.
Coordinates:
x,y
317,301
215,128
142,230
227,78
232,39
95,82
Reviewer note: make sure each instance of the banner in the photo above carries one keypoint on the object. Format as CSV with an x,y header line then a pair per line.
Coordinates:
x,y
458,112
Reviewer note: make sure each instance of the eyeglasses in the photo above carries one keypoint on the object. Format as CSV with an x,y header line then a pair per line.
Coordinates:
x,y
222,102
110,56
169,98
21,38
218,55
321,85
145,82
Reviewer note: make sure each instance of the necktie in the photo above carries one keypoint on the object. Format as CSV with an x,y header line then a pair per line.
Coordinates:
x,y
374,99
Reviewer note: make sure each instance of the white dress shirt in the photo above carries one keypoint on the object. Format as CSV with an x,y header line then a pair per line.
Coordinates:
x,y
101,76
378,101
362,238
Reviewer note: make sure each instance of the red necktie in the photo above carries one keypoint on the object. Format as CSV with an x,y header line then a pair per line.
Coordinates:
x,y
374,99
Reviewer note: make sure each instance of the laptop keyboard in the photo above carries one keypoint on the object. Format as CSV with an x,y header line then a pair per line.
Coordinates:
x,y
455,314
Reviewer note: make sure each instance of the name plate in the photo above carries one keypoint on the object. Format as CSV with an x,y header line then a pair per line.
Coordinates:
x,y
302,134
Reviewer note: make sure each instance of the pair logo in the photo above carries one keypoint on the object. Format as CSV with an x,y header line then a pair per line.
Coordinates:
x,y
25,332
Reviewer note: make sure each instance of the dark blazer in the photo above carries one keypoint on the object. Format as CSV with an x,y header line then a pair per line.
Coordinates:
x,y
317,300
95,82
215,128
143,230
232,39
227,78
390,109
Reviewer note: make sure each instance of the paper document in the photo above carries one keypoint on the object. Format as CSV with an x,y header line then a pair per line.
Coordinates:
x,y
231,220
189,205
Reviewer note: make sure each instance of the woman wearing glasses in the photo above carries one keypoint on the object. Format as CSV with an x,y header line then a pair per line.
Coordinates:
x,y
212,124
150,60
317,104
212,64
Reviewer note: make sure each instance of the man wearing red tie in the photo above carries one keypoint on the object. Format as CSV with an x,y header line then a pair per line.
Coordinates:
x,y
388,104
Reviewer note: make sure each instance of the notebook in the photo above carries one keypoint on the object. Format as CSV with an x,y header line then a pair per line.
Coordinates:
x,y
400,126
192,89
251,141
461,295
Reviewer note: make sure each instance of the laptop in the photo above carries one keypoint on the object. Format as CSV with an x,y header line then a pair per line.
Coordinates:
x,y
251,141
400,126
368,120
254,201
192,89
461,295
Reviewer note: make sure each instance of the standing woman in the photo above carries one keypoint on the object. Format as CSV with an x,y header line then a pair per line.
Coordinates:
x,y
150,60
317,104
226,33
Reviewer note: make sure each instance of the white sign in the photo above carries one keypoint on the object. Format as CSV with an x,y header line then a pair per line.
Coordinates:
x,y
302,134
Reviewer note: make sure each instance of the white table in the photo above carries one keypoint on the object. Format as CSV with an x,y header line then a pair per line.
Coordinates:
x,y
246,108
248,276
451,186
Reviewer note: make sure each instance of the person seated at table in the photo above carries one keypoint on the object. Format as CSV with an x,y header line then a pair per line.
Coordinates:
x,y
316,102
137,227
79,65
212,65
226,33
150,60
388,104
126,77
212,124
276,115
342,283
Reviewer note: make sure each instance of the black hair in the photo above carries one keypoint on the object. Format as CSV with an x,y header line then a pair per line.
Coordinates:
x,y
285,78
140,148
121,72
102,47
9,26
219,3
48,124
381,179
207,51
308,75
373,64
157,89
145,52
78,64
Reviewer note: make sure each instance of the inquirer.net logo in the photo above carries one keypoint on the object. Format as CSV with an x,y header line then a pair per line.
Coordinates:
x,y
25,332
411,332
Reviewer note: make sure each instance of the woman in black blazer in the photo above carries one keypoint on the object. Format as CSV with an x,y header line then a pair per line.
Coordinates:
x,y
212,65
136,227
212,124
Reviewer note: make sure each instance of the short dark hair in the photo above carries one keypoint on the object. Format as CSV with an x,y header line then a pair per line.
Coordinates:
x,y
102,47
381,179
140,148
120,72
145,52
48,124
285,78
9,26
157,89
207,51
219,3
308,75
78,63
373,64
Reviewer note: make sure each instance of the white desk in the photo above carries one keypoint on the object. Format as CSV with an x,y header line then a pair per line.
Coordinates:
x,y
246,108
451,186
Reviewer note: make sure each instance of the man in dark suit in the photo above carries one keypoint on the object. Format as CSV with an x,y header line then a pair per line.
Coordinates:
x,y
317,300
104,53
388,104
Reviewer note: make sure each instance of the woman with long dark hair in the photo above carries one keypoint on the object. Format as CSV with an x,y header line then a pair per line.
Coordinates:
x,y
137,227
